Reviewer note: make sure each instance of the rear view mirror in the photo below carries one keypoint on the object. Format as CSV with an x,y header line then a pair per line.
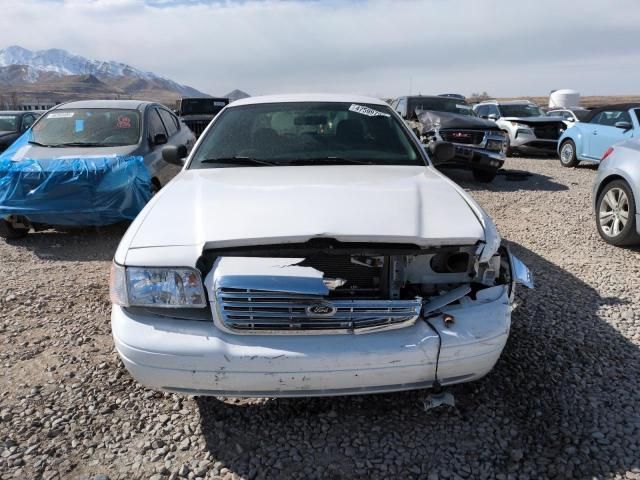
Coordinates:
x,y
624,125
174,154
441,152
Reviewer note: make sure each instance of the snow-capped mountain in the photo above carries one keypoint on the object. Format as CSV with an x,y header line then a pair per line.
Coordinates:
x,y
19,65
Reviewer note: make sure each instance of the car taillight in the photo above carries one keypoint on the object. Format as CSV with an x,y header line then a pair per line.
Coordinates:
x,y
607,153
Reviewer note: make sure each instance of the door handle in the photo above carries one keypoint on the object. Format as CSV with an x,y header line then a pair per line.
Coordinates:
x,y
595,132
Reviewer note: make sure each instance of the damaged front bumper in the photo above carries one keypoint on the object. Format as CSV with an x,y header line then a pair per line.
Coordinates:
x,y
199,358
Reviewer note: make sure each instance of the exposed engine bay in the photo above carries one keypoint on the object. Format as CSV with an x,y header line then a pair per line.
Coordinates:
x,y
345,287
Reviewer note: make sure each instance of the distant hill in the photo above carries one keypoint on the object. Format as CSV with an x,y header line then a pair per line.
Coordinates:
x,y
236,95
56,75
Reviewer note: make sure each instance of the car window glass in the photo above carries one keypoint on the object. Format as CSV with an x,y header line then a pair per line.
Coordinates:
x,y
94,127
308,132
8,123
402,107
611,117
27,121
155,123
493,110
169,121
637,112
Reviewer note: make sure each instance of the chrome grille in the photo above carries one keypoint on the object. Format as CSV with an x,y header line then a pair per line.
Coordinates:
x,y
267,311
465,137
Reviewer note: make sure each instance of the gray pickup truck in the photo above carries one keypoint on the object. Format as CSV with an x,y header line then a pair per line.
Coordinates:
x,y
479,144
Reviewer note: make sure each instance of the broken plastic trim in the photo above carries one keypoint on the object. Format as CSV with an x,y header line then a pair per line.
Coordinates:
x,y
316,246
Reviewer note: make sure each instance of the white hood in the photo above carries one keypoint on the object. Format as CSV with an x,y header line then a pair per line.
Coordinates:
x,y
222,207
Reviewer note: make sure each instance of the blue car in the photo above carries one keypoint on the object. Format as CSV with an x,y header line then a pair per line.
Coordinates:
x,y
589,139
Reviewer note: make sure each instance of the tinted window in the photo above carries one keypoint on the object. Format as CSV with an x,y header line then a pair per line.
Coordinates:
x,y
637,112
308,133
169,120
8,123
91,127
520,110
611,117
27,121
440,104
155,124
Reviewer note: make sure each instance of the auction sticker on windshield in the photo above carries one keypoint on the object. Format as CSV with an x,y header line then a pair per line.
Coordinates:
x,y
60,115
370,112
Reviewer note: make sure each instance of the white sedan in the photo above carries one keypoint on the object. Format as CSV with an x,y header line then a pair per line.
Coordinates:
x,y
309,247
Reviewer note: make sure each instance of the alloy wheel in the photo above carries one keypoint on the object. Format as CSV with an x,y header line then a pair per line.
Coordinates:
x,y
566,154
614,212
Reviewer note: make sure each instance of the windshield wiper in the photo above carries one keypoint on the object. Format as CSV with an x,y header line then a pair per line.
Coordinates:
x,y
33,142
320,160
80,144
238,159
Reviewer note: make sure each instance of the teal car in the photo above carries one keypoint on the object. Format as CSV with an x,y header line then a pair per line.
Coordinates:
x,y
589,140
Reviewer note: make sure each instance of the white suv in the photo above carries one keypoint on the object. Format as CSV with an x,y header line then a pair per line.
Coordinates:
x,y
529,129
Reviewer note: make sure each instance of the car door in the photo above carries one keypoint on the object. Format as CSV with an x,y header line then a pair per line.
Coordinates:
x,y
158,168
176,136
604,132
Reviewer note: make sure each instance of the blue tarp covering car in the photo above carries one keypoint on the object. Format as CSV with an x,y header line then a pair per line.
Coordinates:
x,y
91,162
91,190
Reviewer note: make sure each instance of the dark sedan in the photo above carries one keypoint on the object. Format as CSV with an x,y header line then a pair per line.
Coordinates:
x,y
87,163
13,124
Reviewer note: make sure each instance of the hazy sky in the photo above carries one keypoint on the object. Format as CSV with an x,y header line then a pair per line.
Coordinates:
x,y
376,47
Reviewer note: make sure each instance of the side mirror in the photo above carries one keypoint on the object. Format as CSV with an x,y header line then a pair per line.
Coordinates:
x,y
492,116
571,119
174,154
159,139
623,125
441,152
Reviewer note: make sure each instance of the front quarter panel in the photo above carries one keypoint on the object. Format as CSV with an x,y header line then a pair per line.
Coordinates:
x,y
625,164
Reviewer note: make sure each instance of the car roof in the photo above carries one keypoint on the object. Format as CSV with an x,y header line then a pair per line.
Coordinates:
x,y
618,106
308,97
20,112
123,104
508,102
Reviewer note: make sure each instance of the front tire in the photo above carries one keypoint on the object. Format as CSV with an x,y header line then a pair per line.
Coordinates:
x,y
9,232
568,154
484,176
508,152
616,214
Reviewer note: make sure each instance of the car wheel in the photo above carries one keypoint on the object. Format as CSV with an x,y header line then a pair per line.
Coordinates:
x,y
9,232
568,154
616,214
507,149
484,176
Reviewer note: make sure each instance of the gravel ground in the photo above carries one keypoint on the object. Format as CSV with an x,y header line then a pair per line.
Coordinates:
x,y
563,401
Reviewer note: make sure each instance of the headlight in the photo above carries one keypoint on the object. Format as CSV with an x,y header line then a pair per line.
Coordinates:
x,y
522,128
156,287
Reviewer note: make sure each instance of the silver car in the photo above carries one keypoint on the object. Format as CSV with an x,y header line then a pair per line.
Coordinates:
x,y
616,194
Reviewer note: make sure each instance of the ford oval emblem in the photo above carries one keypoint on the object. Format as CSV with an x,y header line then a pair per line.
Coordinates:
x,y
321,310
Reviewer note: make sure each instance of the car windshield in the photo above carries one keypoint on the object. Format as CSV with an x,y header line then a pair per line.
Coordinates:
x,y
520,110
441,104
201,106
8,123
581,114
91,127
306,133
